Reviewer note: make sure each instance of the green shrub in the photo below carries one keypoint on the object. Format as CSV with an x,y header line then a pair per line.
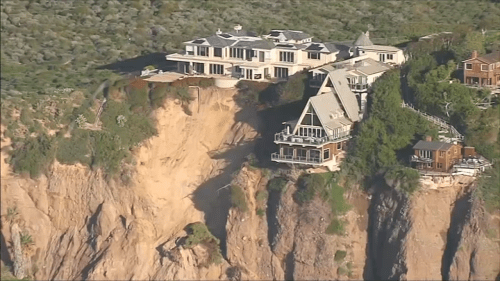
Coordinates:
x,y
340,255
341,271
488,188
107,152
198,234
406,179
294,88
34,156
336,198
159,94
277,184
260,212
26,239
74,149
238,198
336,227
262,195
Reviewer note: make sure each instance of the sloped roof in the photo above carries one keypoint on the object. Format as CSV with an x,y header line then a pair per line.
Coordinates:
x,y
382,48
243,33
363,40
347,98
217,41
324,105
289,34
432,145
338,123
258,44
488,58
370,66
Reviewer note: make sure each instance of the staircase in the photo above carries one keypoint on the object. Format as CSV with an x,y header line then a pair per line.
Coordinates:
x,y
438,121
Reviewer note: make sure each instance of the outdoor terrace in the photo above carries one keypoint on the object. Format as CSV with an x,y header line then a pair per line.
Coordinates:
x,y
284,137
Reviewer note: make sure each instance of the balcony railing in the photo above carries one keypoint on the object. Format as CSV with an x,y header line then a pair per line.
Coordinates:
x,y
359,87
415,158
297,159
283,137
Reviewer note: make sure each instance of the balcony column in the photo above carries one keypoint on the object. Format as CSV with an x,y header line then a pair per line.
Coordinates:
x,y
308,155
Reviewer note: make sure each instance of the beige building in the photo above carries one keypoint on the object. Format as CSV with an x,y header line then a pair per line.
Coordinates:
x,y
244,55
320,136
361,72
387,54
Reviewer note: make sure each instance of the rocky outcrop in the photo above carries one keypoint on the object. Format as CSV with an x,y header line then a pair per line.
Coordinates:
x,y
247,232
388,232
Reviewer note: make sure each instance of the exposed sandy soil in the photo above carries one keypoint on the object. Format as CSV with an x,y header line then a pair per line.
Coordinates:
x,y
83,227
431,211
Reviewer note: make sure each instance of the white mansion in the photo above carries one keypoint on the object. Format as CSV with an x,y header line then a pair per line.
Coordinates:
x,y
279,54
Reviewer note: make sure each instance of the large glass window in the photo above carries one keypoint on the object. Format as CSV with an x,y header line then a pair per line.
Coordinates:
x,y
326,154
468,66
425,153
281,72
217,52
286,56
313,56
236,53
216,69
202,51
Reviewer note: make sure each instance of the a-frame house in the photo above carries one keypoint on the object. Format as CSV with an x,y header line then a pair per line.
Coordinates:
x,y
320,135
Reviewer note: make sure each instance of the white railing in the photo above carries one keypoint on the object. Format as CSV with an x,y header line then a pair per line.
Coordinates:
x,y
297,159
436,120
415,158
283,137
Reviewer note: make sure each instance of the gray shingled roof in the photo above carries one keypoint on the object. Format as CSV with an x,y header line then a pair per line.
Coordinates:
x,y
217,41
363,40
258,44
289,34
432,145
295,35
347,98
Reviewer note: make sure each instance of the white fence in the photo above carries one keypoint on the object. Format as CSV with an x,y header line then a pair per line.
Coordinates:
x,y
436,120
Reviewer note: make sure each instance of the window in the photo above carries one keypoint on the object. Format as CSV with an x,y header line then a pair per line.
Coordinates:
x,y
286,56
236,53
218,52
468,66
425,153
202,51
440,165
390,56
339,145
216,69
381,57
326,154
313,56
288,151
484,67
301,153
281,72
442,153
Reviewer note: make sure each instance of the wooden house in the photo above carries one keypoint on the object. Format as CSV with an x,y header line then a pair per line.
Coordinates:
x,y
436,156
320,135
482,71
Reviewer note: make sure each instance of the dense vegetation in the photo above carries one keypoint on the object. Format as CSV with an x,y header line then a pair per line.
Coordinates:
x,y
325,186
198,234
384,139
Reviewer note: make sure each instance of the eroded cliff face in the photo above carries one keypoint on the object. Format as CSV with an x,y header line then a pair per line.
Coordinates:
x,y
293,244
437,233
84,227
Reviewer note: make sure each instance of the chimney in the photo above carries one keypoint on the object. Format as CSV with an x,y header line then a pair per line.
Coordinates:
x,y
428,138
367,34
237,28
218,31
474,54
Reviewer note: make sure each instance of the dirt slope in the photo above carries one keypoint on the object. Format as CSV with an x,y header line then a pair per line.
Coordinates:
x,y
83,227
